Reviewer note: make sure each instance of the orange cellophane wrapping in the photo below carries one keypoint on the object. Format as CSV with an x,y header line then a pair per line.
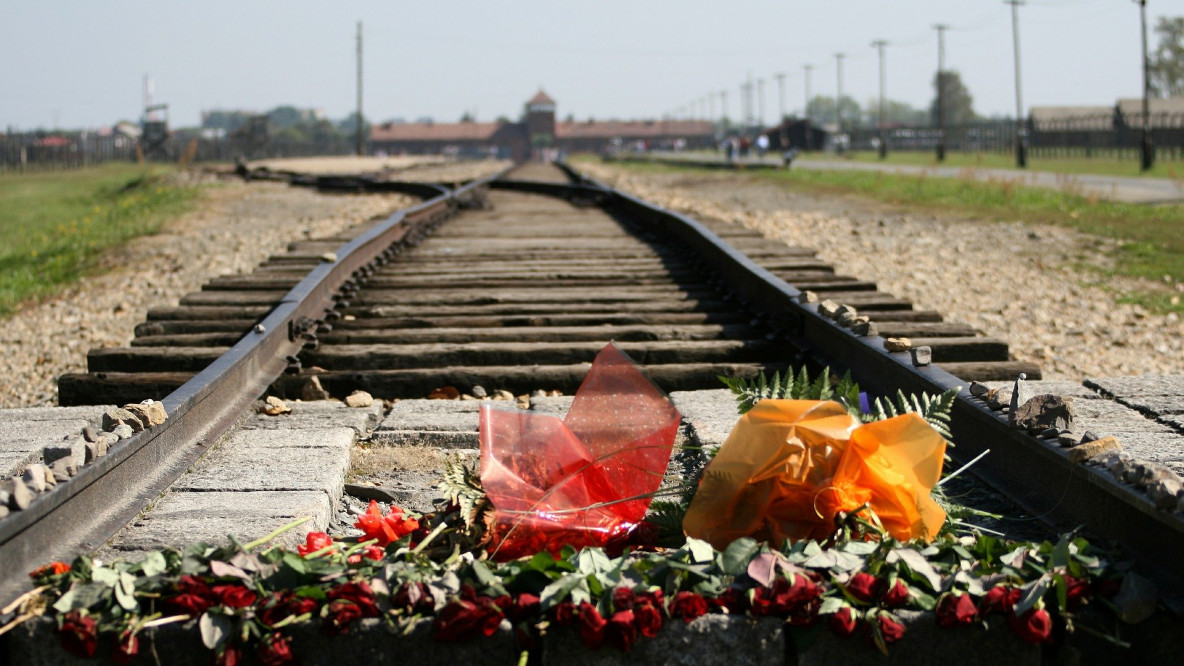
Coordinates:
x,y
585,480
790,466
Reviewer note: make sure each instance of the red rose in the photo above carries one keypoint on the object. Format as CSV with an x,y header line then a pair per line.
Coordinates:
x,y
373,552
51,569
359,593
127,647
525,606
890,629
1000,599
302,605
591,626
620,632
623,599
229,656
732,600
414,598
186,604
843,622
79,634
563,613
1075,590
339,615
896,596
280,605
386,529
313,542
798,601
460,620
1034,626
688,606
648,619
275,651
864,587
234,596
653,597
954,610
195,586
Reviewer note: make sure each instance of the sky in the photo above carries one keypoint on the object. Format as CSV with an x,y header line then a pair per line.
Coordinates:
x,y
72,64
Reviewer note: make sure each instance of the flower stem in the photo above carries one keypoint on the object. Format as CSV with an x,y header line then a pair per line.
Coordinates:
x,y
259,542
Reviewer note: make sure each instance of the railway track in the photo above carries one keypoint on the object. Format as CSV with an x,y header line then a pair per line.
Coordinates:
x,y
515,283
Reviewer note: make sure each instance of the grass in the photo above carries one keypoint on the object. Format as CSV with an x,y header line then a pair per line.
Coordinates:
x,y
59,225
1150,239
1103,166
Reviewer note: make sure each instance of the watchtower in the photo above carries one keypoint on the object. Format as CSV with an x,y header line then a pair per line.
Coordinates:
x,y
540,120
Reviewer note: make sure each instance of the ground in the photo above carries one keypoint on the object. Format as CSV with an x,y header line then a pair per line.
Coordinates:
x,y
1020,282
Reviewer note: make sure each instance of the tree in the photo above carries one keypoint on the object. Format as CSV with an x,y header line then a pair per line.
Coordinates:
x,y
957,104
285,116
1165,68
895,113
822,110
467,117
349,125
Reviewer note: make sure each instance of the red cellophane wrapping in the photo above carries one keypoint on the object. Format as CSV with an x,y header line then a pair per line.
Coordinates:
x,y
584,480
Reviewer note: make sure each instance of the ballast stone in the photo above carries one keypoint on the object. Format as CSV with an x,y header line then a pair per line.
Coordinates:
x,y
1043,412
148,413
117,416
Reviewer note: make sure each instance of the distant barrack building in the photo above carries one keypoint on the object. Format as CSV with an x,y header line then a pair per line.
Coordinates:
x,y
536,133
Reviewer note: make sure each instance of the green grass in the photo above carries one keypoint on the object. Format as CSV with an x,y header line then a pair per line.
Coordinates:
x,y
1103,166
1151,237
58,225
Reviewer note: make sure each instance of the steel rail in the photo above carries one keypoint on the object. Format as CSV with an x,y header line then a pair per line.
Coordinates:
x,y
1037,476
81,514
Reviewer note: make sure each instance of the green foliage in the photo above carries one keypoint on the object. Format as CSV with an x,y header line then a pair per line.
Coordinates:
x,y
462,486
58,225
794,387
934,409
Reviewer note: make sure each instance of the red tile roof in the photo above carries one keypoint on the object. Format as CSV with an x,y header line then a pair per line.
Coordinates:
x,y
434,132
632,129
541,98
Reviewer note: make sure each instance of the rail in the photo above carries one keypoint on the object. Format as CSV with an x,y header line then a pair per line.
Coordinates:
x,y
105,495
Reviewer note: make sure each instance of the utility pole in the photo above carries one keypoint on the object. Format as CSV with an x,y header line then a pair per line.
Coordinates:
x,y
748,110
358,128
723,105
711,107
941,90
879,45
806,109
839,99
1148,149
780,97
1021,148
760,95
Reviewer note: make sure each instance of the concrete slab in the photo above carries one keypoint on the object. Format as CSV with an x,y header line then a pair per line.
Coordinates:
x,y
23,414
319,414
325,437
558,405
443,423
709,416
252,468
1140,385
183,518
24,439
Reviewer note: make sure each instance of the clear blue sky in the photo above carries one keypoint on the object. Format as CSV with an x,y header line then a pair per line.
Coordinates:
x,y
83,63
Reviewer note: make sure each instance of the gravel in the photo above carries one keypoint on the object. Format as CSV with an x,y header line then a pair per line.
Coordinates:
x,y
234,227
1010,280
